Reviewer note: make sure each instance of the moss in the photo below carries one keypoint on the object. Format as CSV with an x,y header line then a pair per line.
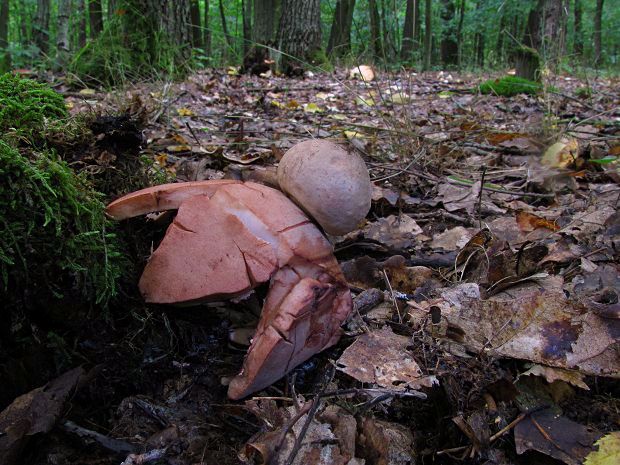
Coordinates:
x,y
26,105
320,59
583,92
508,86
54,235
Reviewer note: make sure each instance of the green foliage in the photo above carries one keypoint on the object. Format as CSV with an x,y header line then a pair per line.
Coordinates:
x,y
509,86
583,92
53,231
123,52
319,59
54,236
25,105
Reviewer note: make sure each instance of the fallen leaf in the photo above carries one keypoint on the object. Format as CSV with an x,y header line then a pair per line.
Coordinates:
x,y
381,358
530,222
185,112
557,374
33,413
561,154
397,232
555,436
608,452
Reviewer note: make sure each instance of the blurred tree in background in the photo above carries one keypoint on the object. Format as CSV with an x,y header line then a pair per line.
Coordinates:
x,y
111,41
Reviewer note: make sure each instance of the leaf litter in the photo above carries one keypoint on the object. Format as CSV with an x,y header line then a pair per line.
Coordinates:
x,y
487,276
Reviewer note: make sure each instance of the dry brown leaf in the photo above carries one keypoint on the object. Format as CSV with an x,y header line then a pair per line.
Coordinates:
x,y
381,358
529,222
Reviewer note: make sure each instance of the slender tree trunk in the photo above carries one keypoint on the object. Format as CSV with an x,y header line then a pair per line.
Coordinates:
x,y
417,38
42,25
500,38
479,38
62,33
598,26
96,18
229,44
340,35
428,35
255,61
375,29
81,24
299,33
459,31
207,34
5,57
246,8
406,51
196,27
111,9
577,37
449,47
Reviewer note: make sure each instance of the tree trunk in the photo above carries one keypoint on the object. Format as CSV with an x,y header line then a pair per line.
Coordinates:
x,y
81,23
299,33
479,39
41,33
246,9
158,32
406,50
449,47
196,27
5,57
62,33
111,9
500,38
229,44
598,15
262,35
207,31
96,18
459,31
340,35
578,38
428,35
417,39
375,29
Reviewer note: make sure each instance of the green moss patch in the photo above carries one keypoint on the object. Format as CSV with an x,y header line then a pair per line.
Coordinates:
x,y
509,86
25,106
53,232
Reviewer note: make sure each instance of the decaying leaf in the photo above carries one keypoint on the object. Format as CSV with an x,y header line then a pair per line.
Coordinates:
x,y
386,443
556,436
397,232
33,413
608,452
381,358
561,154
529,222
557,374
536,322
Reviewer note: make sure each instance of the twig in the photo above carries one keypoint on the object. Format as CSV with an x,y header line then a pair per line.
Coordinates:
x,y
484,172
114,445
508,427
304,429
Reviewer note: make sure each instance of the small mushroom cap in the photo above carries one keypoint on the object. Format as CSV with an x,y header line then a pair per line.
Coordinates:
x,y
327,181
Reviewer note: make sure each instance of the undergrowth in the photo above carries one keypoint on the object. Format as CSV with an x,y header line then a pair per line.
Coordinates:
x,y
25,105
54,236
509,86
53,231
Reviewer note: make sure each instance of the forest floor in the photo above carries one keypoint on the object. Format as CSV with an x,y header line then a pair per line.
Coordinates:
x,y
493,238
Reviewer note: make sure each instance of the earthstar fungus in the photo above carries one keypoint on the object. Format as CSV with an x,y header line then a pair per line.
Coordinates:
x,y
227,238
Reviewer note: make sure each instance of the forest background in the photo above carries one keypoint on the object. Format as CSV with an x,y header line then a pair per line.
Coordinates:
x,y
114,41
